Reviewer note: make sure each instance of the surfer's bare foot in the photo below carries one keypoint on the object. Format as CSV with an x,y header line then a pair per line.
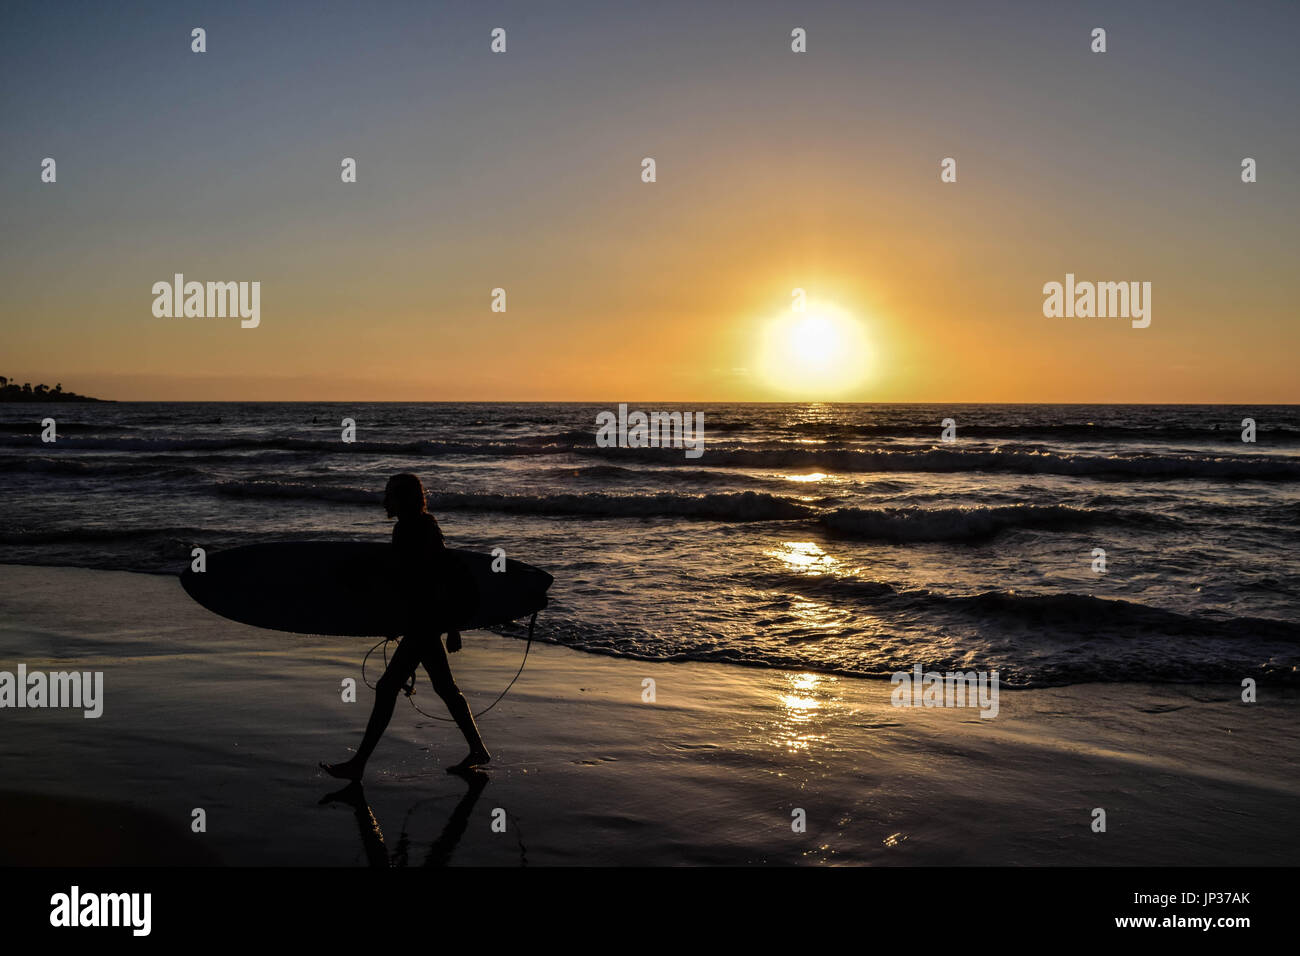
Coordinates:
x,y
347,770
475,758
354,795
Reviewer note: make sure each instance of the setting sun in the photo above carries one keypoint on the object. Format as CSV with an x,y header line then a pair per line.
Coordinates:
x,y
821,353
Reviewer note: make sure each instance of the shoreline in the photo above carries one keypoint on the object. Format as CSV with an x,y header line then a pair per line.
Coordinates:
x,y
1230,690
204,713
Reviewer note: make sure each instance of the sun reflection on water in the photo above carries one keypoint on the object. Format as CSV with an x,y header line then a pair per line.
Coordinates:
x,y
803,556
801,702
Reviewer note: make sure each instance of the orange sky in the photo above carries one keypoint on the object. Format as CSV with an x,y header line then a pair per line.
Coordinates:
x,y
774,172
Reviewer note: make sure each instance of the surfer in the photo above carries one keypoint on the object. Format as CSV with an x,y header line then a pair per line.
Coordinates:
x,y
421,556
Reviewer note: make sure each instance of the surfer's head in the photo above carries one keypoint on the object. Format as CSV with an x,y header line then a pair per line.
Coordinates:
x,y
404,495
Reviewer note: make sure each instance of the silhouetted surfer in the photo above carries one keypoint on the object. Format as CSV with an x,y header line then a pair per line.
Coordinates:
x,y
421,560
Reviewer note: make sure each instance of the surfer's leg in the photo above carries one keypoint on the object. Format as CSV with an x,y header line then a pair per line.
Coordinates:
x,y
435,662
405,660
398,672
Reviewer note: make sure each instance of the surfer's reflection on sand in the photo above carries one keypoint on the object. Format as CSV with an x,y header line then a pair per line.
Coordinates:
x,y
372,837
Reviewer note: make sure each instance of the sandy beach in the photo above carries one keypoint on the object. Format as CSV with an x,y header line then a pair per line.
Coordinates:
x,y
201,712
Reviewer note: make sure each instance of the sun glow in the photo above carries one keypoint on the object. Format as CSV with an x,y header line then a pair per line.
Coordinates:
x,y
821,353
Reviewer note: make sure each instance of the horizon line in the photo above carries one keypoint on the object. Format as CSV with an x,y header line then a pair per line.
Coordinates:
x,y
571,401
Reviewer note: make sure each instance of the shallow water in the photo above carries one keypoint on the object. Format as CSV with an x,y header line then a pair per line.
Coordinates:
x,y
840,538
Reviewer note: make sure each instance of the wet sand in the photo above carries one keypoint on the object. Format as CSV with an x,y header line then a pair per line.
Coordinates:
x,y
203,713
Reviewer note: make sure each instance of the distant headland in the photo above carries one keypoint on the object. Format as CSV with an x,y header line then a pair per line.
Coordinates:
x,y
11,391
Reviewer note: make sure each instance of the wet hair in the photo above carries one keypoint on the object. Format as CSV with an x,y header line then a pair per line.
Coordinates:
x,y
407,492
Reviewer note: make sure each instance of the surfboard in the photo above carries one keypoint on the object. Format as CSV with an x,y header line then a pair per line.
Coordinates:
x,y
347,588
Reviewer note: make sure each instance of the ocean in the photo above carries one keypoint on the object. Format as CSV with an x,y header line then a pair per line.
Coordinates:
x,y
847,539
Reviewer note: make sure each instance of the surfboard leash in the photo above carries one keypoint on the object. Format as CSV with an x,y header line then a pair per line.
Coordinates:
x,y
409,688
